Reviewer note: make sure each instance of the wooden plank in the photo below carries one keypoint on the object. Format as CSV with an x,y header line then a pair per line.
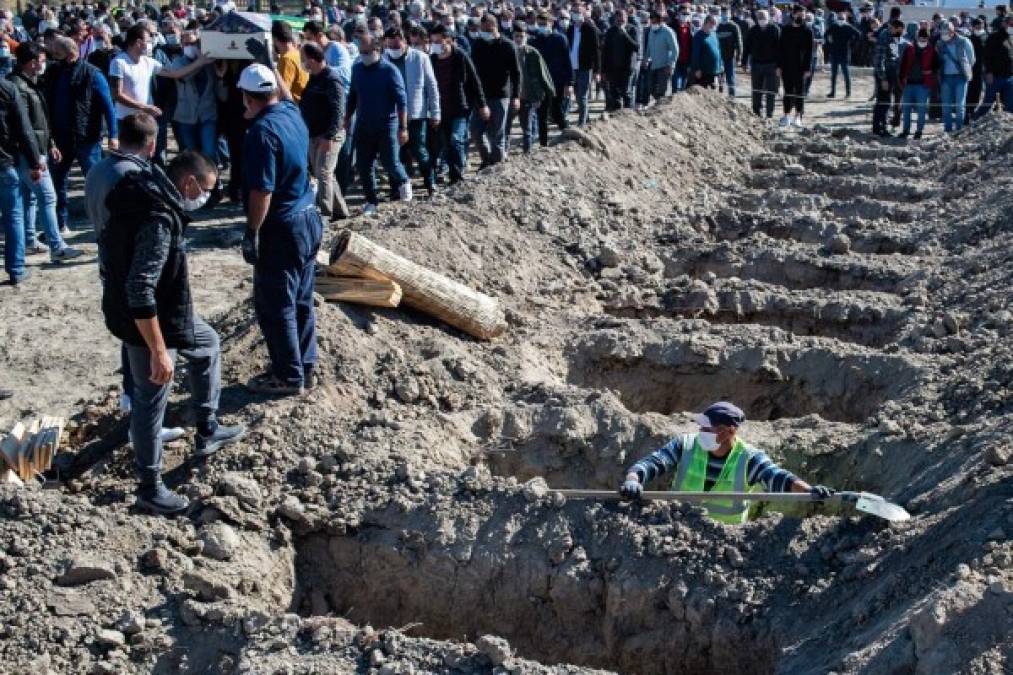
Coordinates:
x,y
424,289
373,292
10,445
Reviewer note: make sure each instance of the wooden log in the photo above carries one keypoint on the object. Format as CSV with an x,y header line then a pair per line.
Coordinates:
x,y
372,292
423,289
10,445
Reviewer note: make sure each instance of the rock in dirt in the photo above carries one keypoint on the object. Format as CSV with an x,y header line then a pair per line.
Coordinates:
x,y
110,638
246,490
536,489
999,455
220,541
130,622
86,569
496,649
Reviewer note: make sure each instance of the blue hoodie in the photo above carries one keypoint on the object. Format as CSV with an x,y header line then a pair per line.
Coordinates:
x,y
706,54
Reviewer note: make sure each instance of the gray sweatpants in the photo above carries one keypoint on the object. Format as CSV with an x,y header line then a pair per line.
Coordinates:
x,y
149,400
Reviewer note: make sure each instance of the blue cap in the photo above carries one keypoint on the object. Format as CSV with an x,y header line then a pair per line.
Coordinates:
x,y
721,413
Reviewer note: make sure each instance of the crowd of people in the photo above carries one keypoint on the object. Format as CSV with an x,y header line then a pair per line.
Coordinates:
x,y
414,86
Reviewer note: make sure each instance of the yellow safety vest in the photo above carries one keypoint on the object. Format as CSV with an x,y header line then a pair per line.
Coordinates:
x,y
691,476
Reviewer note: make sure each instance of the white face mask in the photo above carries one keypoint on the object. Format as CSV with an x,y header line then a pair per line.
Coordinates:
x,y
923,43
708,440
394,53
149,49
191,52
42,69
565,23
370,58
762,23
436,48
474,34
197,202
485,35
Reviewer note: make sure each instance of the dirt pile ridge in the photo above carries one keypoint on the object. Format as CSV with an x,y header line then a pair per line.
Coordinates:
x,y
852,296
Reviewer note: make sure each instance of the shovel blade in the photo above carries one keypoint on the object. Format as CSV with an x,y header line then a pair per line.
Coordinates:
x,y
879,507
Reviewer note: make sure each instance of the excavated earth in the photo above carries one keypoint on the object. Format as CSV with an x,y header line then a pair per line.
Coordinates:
x,y
854,297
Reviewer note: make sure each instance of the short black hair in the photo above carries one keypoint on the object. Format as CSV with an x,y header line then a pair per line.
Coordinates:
x,y
137,130
393,33
136,32
27,51
897,23
313,51
190,163
655,15
281,31
438,29
313,28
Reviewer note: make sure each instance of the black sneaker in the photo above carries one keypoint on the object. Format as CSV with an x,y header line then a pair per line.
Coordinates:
x,y
158,498
269,384
223,435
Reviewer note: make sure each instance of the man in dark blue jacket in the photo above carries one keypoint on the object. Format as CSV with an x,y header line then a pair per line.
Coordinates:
x,y
377,94
555,49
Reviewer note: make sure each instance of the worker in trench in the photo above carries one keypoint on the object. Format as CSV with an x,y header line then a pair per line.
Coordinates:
x,y
717,460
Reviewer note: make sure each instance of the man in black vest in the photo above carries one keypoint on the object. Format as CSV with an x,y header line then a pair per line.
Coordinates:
x,y
147,304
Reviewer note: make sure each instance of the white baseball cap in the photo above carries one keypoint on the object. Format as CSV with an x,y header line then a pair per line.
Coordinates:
x,y
257,78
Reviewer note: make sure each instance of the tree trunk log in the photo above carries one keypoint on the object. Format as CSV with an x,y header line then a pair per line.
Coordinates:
x,y
422,289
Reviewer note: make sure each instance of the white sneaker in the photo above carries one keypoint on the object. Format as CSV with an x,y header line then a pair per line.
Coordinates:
x,y
167,434
798,123
405,191
65,253
785,122
369,210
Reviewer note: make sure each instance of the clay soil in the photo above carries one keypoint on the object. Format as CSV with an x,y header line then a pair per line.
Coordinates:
x,y
852,295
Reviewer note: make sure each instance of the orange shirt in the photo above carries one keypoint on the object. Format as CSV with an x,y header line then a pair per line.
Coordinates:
x,y
292,73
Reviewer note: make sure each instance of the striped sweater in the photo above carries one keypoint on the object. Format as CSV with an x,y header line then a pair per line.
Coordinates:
x,y
759,468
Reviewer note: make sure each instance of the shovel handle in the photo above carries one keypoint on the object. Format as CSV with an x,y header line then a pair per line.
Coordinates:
x,y
665,496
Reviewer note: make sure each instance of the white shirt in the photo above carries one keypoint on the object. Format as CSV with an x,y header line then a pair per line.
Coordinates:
x,y
135,78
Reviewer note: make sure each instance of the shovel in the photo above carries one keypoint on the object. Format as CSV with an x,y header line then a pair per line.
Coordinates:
x,y
866,502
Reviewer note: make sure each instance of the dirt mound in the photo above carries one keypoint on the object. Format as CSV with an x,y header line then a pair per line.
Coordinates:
x,y
835,286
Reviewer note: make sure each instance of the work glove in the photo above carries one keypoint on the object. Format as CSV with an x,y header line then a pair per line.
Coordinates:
x,y
821,492
631,489
258,50
250,247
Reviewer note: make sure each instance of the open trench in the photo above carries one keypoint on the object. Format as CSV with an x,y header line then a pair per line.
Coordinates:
x,y
571,583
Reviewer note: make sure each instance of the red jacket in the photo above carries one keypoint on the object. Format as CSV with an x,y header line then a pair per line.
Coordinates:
x,y
685,38
929,61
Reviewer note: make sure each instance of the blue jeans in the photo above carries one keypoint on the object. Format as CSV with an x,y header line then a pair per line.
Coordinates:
x,y
680,77
730,75
953,92
13,218
1001,87
87,157
283,293
202,136
914,96
452,146
842,64
33,196
370,143
529,123
581,90
490,135
416,149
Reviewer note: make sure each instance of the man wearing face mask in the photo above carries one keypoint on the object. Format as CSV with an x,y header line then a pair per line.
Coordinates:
x,y
794,63
661,52
77,96
102,56
196,111
956,58
499,72
555,50
998,69
918,67
585,58
841,38
683,29
705,62
730,40
618,51
975,86
760,55
886,67
716,460
147,303
377,99
422,99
